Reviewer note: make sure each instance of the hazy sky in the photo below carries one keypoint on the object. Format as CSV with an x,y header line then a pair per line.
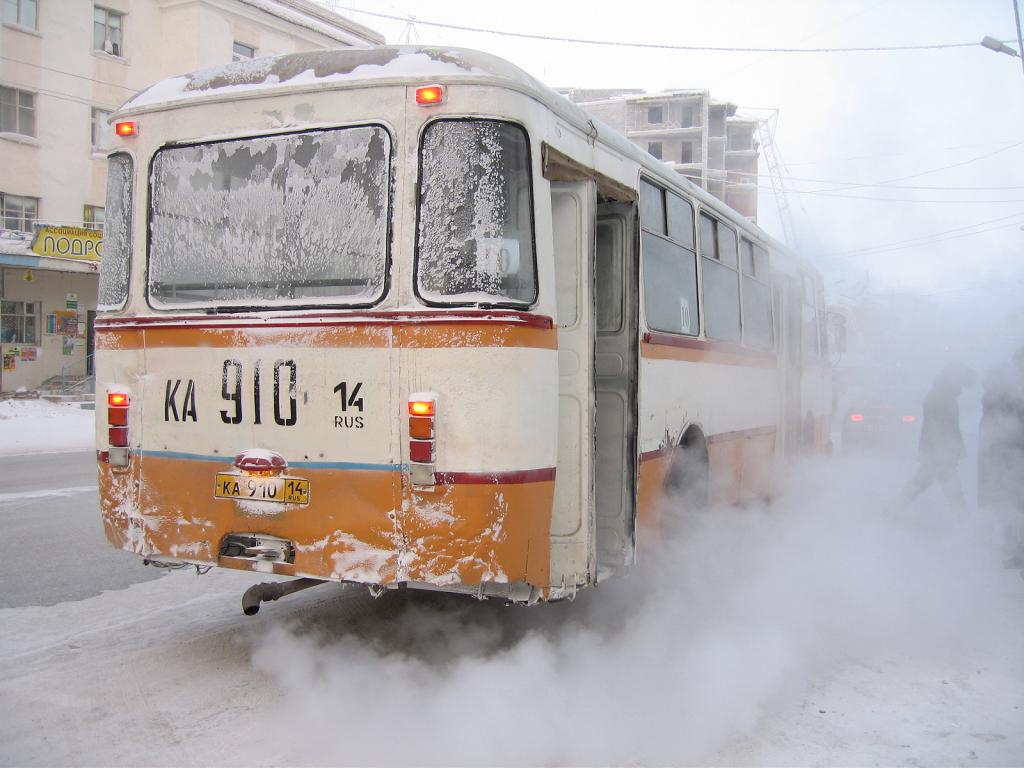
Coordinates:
x,y
947,118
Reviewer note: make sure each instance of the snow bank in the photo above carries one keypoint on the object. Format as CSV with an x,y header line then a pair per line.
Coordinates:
x,y
39,426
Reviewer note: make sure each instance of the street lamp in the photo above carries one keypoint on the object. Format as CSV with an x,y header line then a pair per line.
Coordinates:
x,y
998,46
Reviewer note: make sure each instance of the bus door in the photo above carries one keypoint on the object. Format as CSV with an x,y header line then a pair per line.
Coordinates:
x,y
788,310
572,524
615,383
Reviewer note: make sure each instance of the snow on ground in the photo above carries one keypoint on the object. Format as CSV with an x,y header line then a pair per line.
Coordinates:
x,y
831,628
39,426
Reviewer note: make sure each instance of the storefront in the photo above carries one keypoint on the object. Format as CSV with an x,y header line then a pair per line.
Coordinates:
x,y
48,307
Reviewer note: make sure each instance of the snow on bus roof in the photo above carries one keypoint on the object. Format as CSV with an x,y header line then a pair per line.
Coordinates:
x,y
304,70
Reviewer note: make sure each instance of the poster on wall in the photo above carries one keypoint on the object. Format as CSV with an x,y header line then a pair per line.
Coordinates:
x,y
69,345
51,325
9,361
67,322
28,353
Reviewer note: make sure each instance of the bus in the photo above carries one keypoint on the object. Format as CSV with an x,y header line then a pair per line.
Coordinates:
x,y
407,318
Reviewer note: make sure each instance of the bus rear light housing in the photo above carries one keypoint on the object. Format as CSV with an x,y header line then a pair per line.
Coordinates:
x,y
422,438
118,403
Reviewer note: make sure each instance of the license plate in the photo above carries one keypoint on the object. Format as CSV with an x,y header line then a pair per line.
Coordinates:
x,y
285,490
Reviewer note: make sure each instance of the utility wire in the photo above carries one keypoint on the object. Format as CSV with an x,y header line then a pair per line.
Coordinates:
x,y
902,245
925,173
896,154
69,74
825,193
883,185
655,46
933,234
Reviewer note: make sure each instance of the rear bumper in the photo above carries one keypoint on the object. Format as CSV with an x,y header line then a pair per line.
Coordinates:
x,y
364,525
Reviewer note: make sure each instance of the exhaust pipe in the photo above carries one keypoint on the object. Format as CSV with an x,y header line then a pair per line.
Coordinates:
x,y
272,590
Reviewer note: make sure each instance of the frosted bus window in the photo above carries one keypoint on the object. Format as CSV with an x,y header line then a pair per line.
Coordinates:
x,y
113,288
475,238
292,219
669,262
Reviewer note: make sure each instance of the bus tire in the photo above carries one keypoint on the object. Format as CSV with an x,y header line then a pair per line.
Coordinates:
x,y
687,480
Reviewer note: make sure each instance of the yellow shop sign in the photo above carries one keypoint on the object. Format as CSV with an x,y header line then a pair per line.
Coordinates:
x,y
69,243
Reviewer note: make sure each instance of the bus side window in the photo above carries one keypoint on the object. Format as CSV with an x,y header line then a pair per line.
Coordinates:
x,y
669,261
721,280
757,296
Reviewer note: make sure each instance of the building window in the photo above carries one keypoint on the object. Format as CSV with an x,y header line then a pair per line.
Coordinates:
x,y
19,213
92,217
17,111
20,12
19,322
686,152
686,121
99,129
654,148
242,51
654,115
107,31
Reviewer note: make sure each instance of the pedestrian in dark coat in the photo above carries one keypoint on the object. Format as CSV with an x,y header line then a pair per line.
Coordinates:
x,y
941,445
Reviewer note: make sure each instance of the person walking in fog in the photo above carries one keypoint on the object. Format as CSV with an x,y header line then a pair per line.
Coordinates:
x,y
1001,450
941,445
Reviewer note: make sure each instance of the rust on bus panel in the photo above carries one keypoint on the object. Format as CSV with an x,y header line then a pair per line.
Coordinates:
x,y
352,530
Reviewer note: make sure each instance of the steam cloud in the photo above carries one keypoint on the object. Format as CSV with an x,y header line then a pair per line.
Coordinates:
x,y
734,614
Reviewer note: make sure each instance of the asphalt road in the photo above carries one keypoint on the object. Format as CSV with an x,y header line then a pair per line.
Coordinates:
x,y
54,549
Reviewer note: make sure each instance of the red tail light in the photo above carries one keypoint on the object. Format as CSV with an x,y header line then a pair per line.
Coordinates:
x,y
857,417
421,451
118,399
909,419
118,437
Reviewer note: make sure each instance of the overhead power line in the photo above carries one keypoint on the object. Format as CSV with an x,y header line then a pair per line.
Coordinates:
x,y
655,46
929,151
1002,222
69,74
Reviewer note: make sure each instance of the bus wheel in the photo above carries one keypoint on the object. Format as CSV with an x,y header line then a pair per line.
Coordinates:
x,y
687,481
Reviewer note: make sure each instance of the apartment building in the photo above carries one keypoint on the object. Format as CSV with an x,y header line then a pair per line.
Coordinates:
x,y
65,66
698,136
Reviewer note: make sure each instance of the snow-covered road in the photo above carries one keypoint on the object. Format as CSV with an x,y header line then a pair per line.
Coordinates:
x,y
831,629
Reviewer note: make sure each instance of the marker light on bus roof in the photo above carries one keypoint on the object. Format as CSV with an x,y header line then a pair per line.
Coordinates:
x,y
126,128
428,95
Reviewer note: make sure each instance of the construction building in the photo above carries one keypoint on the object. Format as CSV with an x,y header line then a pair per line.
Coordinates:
x,y
65,66
700,137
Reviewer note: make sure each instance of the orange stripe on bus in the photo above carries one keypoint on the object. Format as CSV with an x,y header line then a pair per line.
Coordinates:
x,y
443,336
665,346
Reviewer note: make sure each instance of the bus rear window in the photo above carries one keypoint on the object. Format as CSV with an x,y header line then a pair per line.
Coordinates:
x,y
475,237
117,235
290,219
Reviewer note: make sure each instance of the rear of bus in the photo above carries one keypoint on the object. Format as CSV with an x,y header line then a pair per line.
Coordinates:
x,y
325,347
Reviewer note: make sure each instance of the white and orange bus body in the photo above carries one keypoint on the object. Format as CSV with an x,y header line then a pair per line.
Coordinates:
x,y
408,317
